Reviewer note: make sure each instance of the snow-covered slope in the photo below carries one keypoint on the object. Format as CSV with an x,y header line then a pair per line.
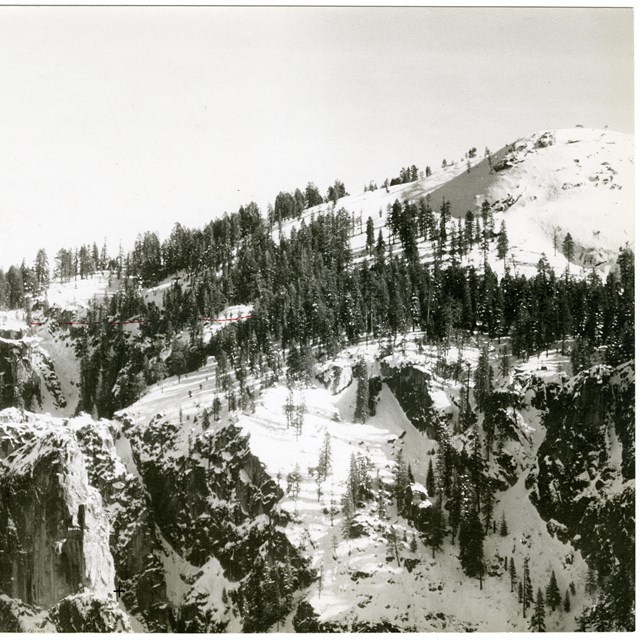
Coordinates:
x,y
174,498
359,583
578,181
77,294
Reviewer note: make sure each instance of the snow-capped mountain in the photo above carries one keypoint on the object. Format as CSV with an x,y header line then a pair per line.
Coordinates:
x,y
293,428
578,181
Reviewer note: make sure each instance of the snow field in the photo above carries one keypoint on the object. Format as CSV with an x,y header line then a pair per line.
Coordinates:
x,y
77,294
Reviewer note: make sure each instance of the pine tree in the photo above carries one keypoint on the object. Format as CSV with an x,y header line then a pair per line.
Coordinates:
x,y
527,588
471,537
362,393
431,480
324,463
299,416
392,544
553,592
370,235
537,619
504,362
568,247
503,527
467,237
401,480
454,506
216,407
503,243
483,378
348,511
380,249
512,573
435,530
567,601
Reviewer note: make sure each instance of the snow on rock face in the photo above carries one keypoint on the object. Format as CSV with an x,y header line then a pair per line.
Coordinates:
x,y
336,375
86,613
18,617
42,370
587,462
54,520
577,181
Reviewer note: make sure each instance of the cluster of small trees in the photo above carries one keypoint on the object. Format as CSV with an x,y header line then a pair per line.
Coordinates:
x,y
294,410
408,174
289,206
551,596
359,489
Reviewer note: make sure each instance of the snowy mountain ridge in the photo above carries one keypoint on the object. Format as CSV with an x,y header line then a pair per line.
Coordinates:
x,y
550,183
446,433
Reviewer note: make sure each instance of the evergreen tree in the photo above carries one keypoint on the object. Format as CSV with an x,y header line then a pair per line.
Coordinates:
x,y
370,235
471,538
289,409
324,463
216,407
468,230
401,480
568,247
567,601
527,588
455,508
537,619
504,362
41,270
380,249
431,480
512,574
483,378
435,530
553,596
312,195
362,393
503,527
503,243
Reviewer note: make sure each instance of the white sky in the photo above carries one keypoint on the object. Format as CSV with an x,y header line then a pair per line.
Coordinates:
x,y
114,121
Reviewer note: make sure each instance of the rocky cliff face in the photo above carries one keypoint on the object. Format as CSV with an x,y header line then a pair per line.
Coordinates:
x,y
87,505
586,470
27,374
411,386
214,480
55,529
186,519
